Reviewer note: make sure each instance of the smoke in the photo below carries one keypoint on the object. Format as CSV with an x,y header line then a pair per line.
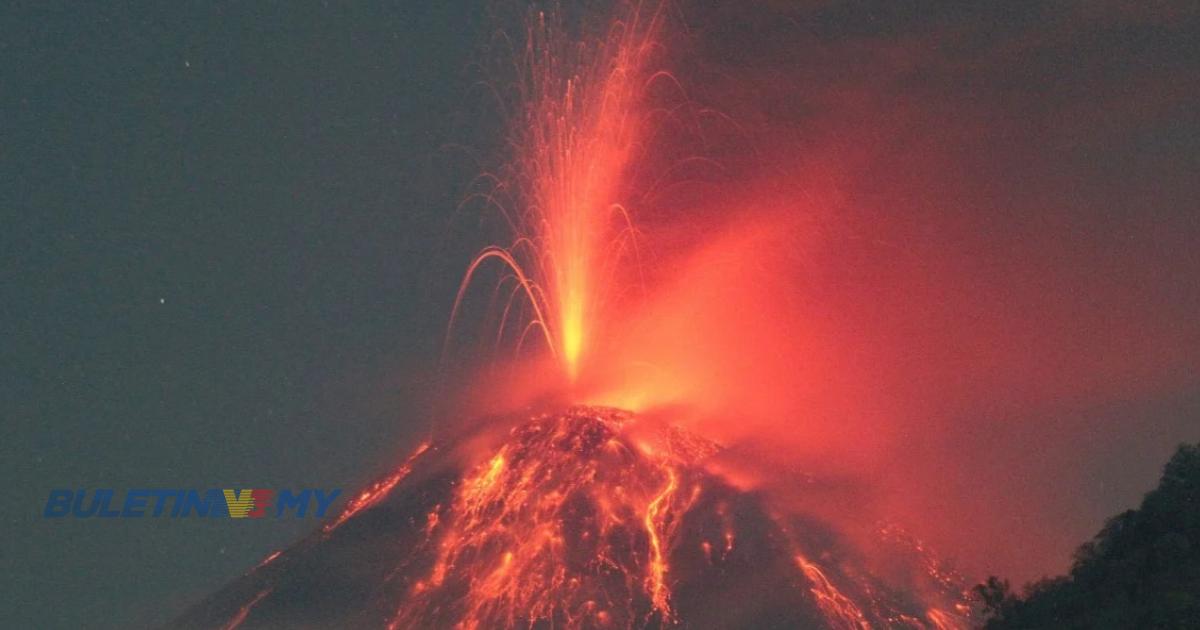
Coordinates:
x,y
936,252
921,253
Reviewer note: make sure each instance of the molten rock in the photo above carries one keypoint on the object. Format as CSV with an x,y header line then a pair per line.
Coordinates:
x,y
579,519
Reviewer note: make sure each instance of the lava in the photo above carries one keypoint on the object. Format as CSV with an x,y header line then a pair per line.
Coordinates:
x,y
839,610
244,611
378,490
584,518
565,499
656,580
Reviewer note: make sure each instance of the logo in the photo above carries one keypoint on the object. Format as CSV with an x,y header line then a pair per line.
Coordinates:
x,y
184,503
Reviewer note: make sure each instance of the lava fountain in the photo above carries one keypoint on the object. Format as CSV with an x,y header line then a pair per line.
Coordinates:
x,y
579,123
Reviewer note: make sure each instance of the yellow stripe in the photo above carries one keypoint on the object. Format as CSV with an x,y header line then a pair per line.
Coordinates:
x,y
239,503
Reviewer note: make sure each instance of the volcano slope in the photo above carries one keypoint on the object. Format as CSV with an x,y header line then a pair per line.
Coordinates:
x,y
583,518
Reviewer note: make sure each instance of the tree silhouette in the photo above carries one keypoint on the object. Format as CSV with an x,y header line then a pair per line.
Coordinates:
x,y
1141,571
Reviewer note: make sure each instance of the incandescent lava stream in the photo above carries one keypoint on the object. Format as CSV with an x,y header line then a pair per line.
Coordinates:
x,y
585,518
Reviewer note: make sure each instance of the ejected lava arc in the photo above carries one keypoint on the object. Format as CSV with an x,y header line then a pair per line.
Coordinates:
x,y
579,124
586,516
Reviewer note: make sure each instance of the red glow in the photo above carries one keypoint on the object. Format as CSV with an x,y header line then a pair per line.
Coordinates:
x,y
708,340
849,310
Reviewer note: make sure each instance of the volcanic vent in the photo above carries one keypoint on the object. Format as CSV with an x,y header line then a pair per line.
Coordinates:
x,y
585,518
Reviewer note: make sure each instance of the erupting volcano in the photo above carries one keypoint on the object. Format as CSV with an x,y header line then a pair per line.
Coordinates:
x,y
588,517
584,518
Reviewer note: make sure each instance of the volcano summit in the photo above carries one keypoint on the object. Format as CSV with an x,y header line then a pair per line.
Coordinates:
x,y
585,518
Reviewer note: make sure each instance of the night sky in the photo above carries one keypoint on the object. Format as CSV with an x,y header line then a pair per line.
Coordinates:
x,y
223,263
229,251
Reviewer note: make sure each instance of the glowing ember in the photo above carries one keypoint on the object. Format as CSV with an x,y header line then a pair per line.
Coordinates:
x,y
268,560
244,611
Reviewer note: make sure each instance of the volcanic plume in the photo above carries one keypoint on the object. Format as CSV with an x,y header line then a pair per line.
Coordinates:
x,y
584,518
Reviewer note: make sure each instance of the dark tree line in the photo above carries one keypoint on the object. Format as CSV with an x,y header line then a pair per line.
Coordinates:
x,y
1141,571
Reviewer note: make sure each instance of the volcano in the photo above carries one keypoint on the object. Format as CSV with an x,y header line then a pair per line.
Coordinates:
x,y
588,517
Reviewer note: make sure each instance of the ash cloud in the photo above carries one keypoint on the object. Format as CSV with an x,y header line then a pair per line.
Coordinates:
x,y
996,280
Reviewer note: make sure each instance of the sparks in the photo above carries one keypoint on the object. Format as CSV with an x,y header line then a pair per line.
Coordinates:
x,y
580,124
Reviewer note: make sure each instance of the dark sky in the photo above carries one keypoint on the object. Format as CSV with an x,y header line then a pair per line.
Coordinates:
x,y
228,255
220,230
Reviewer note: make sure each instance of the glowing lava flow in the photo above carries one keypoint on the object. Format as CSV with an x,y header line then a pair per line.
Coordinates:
x,y
378,490
577,523
587,517
656,582
244,611
579,125
837,607
549,527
